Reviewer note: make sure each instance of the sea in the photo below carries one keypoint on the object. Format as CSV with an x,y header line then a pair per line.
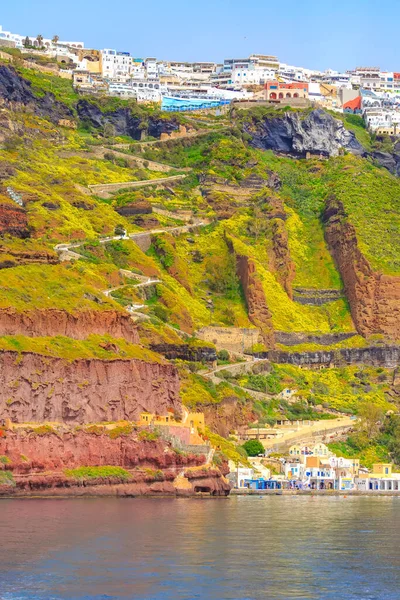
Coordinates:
x,y
259,547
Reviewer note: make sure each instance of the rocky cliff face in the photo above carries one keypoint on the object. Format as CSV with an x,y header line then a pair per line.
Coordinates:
x,y
36,388
327,339
390,161
282,263
10,257
376,356
228,415
300,133
79,326
38,464
69,450
14,89
13,220
257,307
123,121
374,298
186,352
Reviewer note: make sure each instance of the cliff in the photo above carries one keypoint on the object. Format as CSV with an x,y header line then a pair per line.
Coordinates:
x,y
299,133
9,257
281,261
374,298
52,322
186,352
13,220
124,121
15,90
44,464
376,356
35,388
256,301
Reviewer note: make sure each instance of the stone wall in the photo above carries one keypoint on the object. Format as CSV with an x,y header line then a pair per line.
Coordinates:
x,y
233,339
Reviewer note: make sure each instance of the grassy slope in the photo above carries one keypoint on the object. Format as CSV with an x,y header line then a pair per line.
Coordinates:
x,y
66,287
94,346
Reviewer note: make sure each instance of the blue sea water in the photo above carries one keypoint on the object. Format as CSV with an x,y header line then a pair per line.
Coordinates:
x,y
303,547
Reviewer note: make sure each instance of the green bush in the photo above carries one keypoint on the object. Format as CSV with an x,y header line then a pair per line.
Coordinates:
x,y
106,472
253,447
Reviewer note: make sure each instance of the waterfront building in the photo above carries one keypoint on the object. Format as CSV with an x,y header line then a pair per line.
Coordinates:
x,y
303,451
319,474
294,470
381,479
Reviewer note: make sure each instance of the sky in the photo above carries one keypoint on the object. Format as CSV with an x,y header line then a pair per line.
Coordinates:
x,y
339,34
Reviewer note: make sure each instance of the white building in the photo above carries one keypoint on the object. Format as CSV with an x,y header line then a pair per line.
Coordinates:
x,y
370,77
294,471
376,118
255,70
18,39
151,68
314,92
116,65
144,90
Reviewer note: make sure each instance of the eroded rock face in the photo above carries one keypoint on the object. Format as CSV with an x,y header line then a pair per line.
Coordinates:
x,y
13,221
374,298
141,207
67,450
327,339
9,257
15,89
35,388
257,308
52,322
186,352
228,415
39,462
282,263
297,133
123,121
376,356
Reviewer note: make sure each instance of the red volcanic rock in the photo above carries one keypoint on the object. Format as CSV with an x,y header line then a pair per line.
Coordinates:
x,y
282,263
374,298
257,308
52,322
13,221
38,464
70,450
20,257
35,388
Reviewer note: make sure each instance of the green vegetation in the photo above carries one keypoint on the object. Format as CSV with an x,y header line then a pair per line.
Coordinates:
x,y
95,346
43,83
344,389
7,478
148,436
253,447
228,449
106,472
278,227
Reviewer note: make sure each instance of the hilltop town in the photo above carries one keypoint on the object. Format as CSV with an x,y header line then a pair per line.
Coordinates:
x,y
199,275
183,86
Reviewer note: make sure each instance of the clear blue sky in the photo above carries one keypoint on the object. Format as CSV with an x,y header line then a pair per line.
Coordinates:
x,y
339,34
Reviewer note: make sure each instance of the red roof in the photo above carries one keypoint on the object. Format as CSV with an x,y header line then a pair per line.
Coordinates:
x,y
354,104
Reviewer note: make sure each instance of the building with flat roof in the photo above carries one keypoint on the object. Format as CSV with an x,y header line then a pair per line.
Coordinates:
x,y
277,91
